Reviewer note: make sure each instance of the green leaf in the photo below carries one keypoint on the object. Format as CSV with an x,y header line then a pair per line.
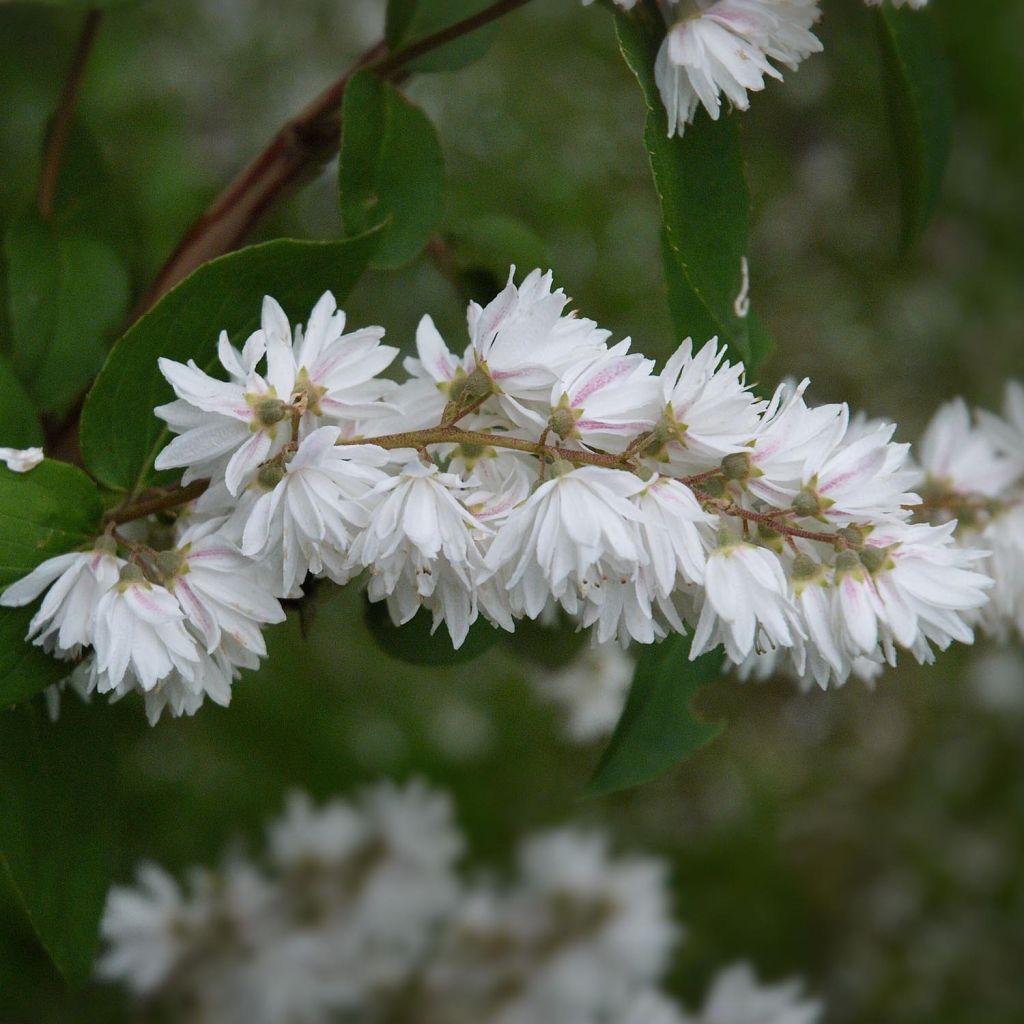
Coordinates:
x,y
19,426
919,97
705,204
120,435
49,510
414,643
409,21
72,5
658,729
390,170
59,824
68,294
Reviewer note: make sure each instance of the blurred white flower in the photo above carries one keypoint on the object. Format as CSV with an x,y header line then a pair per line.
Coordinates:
x,y
727,47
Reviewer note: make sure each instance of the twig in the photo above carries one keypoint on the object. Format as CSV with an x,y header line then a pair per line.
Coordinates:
x,y
303,145
65,112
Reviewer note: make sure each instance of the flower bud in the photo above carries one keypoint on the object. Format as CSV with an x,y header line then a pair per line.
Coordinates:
x,y
847,561
853,535
873,558
270,411
804,568
807,503
270,475
562,421
736,466
170,563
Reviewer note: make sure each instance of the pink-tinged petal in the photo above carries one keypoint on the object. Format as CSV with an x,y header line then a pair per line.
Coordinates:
x,y
437,360
246,461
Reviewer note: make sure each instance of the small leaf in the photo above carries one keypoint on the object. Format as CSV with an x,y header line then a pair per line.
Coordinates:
x,y
49,510
409,21
120,435
705,204
414,643
19,426
59,824
68,294
658,729
920,101
390,170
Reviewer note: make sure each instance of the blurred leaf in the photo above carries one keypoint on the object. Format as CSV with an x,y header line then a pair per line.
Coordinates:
x,y
120,435
59,824
414,643
390,170
920,101
68,294
87,203
49,510
658,729
71,5
705,205
551,647
495,242
409,21
19,425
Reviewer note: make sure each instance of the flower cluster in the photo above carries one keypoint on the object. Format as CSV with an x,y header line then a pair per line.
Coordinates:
x,y
973,483
358,912
716,48
543,468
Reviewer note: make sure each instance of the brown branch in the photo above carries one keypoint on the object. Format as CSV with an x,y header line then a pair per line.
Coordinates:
x,y
294,155
159,500
65,113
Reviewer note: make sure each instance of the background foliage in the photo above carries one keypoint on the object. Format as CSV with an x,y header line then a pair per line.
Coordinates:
x,y
871,841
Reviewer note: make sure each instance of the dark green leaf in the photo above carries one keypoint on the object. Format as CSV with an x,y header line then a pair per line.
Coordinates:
x,y
409,21
68,294
72,5
397,21
414,643
658,729
390,170
120,435
551,647
49,510
59,824
920,101
19,426
44,512
705,205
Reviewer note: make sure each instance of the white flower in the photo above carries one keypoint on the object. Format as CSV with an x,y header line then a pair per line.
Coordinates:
x,y
746,601
736,997
76,581
926,584
1007,433
591,690
421,545
626,5
140,627
792,436
710,412
231,427
21,460
217,589
605,402
183,693
866,478
676,533
146,929
967,459
525,343
330,373
573,532
727,47
315,502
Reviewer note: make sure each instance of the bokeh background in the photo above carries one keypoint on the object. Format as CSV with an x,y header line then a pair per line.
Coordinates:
x,y
870,841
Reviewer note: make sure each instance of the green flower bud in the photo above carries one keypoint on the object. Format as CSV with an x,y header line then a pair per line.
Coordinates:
x,y
270,411
853,535
807,503
873,558
270,475
847,561
736,466
805,568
